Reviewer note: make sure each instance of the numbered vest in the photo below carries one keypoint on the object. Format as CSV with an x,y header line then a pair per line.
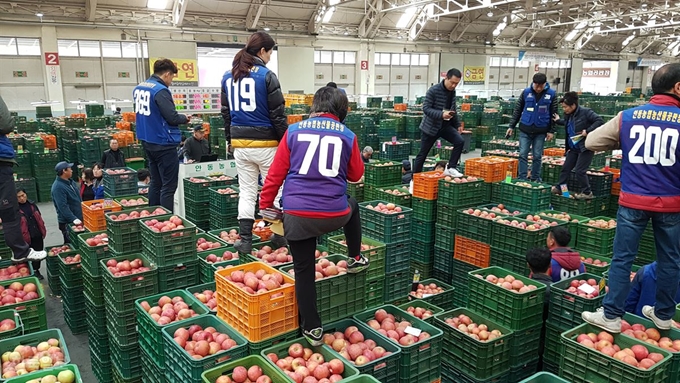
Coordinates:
x,y
151,126
537,110
247,97
320,150
649,142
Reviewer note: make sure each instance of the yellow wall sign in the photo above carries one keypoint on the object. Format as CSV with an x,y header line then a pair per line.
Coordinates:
x,y
187,74
474,75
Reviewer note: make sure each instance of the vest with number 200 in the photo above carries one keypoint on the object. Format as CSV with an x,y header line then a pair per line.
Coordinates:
x,y
649,142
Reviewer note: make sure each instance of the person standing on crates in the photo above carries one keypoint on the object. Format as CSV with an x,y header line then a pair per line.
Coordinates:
x,y
650,190
316,158
534,111
158,129
440,120
9,204
66,199
254,124
578,122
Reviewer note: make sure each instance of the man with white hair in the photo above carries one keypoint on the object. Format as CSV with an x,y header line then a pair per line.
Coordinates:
x,y
366,154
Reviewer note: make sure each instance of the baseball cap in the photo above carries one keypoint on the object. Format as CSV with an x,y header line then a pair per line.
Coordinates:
x,y
63,165
198,128
406,164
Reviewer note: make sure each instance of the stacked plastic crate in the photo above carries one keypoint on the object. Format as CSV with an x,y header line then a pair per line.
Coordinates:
x,y
72,293
424,205
52,265
223,204
43,163
120,182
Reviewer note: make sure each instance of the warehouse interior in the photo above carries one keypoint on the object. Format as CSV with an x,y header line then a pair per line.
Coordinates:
x,y
68,65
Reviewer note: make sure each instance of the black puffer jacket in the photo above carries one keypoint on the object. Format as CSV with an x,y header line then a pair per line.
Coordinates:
x,y
276,105
584,119
434,105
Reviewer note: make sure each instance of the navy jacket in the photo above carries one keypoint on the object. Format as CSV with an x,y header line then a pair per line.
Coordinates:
x,y
643,290
537,100
584,119
66,199
6,127
157,118
436,102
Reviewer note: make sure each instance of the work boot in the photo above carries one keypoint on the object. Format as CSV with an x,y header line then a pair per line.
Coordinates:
x,y
244,245
278,241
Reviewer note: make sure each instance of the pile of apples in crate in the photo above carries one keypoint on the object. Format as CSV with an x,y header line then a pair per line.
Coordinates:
x,y
230,237
364,247
173,223
426,290
385,208
58,249
258,282
650,335
508,282
561,216
208,298
240,374
387,325
226,256
199,342
325,268
228,190
16,271
132,202
97,240
419,312
137,214
601,223
68,260
25,359
221,177
168,310
539,225
637,355
354,347
466,325
460,180
273,257
119,171
396,192
304,365
591,292
203,244
17,292
126,267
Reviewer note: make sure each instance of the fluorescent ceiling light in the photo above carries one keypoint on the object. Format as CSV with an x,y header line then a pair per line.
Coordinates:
x,y
333,2
39,14
571,35
673,45
581,25
406,17
628,40
267,29
157,4
328,14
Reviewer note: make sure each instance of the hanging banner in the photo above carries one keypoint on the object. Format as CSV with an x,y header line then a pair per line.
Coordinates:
x,y
474,75
536,56
187,74
648,62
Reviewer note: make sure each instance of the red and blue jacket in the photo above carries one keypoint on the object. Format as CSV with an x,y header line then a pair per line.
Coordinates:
x,y
643,290
315,158
566,263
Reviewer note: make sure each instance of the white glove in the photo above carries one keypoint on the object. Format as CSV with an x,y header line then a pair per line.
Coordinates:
x,y
77,222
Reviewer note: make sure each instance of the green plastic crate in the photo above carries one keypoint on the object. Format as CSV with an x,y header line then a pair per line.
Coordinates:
x,y
443,299
125,235
422,252
281,350
398,256
419,362
451,374
475,227
424,269
76,320
443,260
36,375
445,237
70,273
510,261
121,292
255,348
93,288
375,292
447,215
356,190
151,371
32,313
461,194
151,335
339,296
397,286
600,182
583,207
210,376
386,227
514,310
517,240
385,193
422,231
525,346
207,270
11,314
223,203
423,209
419,303
34,339
594,269
120,184
91,255
179,276
73,298
375,255
553,348
126,362
131,197
198,191
596,240
385,368
171,247
122,327
582,364
200,289
572,222
382,173
544,377
531,199
481,360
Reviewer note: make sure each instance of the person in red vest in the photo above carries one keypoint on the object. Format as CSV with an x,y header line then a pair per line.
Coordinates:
x,y
32,226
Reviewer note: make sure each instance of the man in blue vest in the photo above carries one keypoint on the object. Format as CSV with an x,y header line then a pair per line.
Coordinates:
x,y
533,111
650,189
157,128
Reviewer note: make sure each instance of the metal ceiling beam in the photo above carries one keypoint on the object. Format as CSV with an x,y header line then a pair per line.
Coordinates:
x,y
645,45
369,25
460,28
582,40
453,7
418,23
527,37
90,9
254,13
178,11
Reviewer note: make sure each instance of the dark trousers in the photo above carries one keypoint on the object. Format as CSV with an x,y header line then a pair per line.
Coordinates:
x,y
164,170
37,244
9,213
579,162
451,135
304,264
63,227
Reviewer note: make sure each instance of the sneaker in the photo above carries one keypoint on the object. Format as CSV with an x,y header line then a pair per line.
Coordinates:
x,y
243,247
32,256
410,187
38,275
278,241
598,319
555,190
452,172
584,196
314,336
661,324
357,265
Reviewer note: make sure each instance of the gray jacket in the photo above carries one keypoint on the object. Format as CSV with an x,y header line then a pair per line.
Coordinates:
x,y
433,107
584,119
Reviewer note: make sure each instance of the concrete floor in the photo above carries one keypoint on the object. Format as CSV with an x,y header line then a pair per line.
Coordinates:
x,y
77,344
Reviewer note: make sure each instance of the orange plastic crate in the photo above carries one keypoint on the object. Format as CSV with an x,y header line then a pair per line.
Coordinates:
x,y
465,107
129,116
472,252
293,118
264,233
491,169
554,152
426,184
256,316
78,115
93,218
400,107
50,141
616,182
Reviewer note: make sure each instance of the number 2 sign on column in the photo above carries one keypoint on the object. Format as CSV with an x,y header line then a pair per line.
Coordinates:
x,y
51,58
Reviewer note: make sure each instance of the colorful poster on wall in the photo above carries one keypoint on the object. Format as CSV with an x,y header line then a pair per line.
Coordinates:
x,y
474,75
187,74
